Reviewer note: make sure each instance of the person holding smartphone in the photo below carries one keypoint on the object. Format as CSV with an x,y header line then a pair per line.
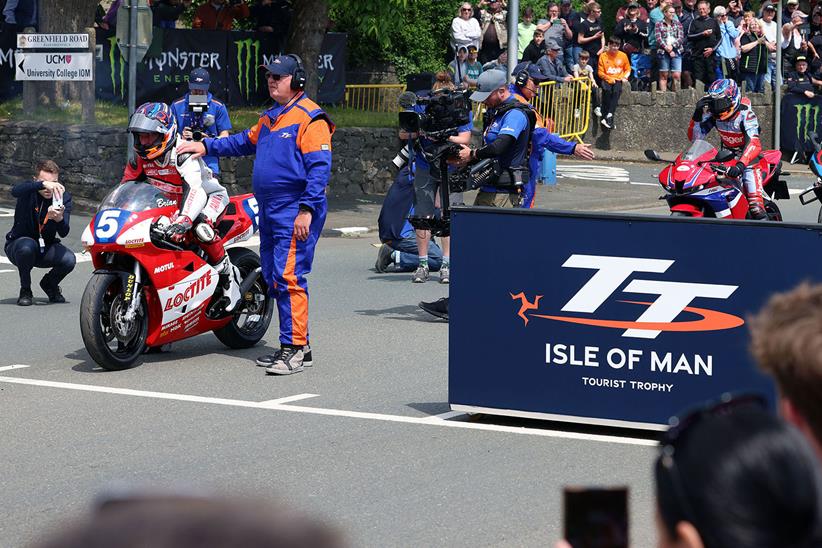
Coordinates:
x,y
40,215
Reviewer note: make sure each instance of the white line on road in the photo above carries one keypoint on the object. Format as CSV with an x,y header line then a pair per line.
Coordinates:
x,y
288,399
10,367
1,271
270,405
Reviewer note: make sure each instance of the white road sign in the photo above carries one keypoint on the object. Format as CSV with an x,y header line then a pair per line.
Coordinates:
x,y
55,41
53,66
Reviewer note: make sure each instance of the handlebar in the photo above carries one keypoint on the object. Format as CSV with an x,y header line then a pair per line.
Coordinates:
x,y
160,234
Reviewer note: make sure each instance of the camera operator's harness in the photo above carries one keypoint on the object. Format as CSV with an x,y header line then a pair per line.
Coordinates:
x,y
485,172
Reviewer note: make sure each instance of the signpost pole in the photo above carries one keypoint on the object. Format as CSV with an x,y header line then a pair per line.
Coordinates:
x,y
132,70
777,105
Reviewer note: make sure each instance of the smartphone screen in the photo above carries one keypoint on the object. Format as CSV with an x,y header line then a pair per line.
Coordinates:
x,y
596,517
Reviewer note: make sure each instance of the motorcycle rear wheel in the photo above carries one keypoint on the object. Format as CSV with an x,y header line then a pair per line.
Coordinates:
x,y
250,323
679,214
111,341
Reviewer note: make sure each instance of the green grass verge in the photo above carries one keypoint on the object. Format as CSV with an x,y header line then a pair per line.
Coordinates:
x,y
109,114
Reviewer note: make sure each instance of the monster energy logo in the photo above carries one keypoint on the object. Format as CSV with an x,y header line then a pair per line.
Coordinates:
x,y
248,51
112,48
807,117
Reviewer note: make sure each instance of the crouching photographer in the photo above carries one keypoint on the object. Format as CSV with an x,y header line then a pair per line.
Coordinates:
x,y
434,124
500,166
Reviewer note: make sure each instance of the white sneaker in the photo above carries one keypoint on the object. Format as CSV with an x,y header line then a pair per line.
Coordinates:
x,y
598,112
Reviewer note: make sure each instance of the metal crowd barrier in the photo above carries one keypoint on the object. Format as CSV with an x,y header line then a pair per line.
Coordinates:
x,y
373,97
566,107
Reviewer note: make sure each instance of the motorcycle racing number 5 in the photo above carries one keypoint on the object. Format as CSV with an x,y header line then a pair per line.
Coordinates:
x,y
108,223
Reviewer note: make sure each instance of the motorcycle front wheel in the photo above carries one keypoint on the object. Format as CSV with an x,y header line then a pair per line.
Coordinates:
x,y
111,340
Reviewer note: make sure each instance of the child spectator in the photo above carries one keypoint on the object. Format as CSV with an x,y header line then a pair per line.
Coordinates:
x,y
582,69
458,68
535,49
525,31
613,69
473,68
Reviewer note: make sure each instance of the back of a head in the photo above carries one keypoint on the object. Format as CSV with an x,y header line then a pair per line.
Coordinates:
x,y
442,80
786,340
747,479
195,523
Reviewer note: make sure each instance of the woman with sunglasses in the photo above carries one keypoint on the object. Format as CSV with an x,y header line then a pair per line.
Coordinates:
x,y
732,475
465,29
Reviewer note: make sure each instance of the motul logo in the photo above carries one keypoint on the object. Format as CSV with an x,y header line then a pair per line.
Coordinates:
x,y
190,292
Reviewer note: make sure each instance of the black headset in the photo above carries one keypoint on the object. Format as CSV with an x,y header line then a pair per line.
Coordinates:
x,y
298,78
521,78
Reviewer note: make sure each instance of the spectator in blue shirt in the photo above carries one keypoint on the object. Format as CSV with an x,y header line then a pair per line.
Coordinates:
x,y
726,66
212,121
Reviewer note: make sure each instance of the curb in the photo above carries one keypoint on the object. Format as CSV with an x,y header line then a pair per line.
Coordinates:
x,y
348,232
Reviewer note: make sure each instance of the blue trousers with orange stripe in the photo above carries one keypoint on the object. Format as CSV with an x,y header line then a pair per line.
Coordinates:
x,y
285,262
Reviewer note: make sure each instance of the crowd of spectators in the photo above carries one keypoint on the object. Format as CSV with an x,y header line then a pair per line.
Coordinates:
x,y
263,15
672,42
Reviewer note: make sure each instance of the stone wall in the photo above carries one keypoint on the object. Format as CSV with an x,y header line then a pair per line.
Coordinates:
x,y
659,120
92,158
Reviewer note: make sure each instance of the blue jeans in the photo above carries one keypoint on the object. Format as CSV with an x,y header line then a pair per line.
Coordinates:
x,y
409,254
770,76
754,83
25,254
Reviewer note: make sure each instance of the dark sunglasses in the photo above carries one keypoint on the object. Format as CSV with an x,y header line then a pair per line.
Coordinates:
x,y
274,77
466,9
680,424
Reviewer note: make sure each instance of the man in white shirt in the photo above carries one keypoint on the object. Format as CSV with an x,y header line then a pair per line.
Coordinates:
x,y
769,30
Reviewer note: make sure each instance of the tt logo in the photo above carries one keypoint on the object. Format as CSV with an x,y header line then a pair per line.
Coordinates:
x,y
673,298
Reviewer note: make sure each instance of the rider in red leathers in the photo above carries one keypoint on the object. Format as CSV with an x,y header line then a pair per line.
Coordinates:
x,y
200,196
738,129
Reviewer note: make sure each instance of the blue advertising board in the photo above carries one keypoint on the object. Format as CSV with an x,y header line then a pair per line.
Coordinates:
x,y
611,319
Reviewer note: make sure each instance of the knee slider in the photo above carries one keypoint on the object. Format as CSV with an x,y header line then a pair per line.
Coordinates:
x,y
205,233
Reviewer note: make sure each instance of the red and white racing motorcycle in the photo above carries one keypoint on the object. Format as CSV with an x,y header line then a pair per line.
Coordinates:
x,y
146,292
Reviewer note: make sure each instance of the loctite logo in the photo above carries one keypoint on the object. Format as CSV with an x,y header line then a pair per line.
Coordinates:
x,y
674,297
189,293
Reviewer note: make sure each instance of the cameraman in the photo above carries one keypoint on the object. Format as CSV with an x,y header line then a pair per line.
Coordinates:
x,y
199,115
41,214
426,186
507,138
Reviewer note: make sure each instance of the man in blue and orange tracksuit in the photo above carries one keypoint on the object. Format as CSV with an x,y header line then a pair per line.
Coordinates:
x,y
292,142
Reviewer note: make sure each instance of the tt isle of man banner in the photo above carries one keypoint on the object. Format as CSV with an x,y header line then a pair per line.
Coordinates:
x,y
801,117
607,319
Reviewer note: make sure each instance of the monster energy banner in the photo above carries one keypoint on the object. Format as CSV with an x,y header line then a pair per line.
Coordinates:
x,y
231,58
800,118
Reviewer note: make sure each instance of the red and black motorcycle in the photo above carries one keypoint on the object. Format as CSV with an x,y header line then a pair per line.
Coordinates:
x,y
696,185
147,292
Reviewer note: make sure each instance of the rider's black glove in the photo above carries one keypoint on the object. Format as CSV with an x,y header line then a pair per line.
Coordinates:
x,y
700,108
176,231
736,171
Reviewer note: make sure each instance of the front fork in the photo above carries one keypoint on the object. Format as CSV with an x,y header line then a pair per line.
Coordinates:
x,y
131,292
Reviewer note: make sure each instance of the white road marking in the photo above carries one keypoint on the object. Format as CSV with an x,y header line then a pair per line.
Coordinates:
x,y
288,399
10,367
6,212
590,172
1,271
270,405
643,184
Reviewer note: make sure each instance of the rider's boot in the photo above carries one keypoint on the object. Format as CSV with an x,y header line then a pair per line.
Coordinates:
x,y
230,280
756,206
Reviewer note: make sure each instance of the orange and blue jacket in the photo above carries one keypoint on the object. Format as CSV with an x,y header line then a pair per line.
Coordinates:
x,y
292,143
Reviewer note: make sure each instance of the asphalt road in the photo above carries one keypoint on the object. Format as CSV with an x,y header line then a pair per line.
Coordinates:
x,y
364,439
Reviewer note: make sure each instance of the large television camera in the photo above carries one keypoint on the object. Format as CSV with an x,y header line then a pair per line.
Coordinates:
x,y
200,119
